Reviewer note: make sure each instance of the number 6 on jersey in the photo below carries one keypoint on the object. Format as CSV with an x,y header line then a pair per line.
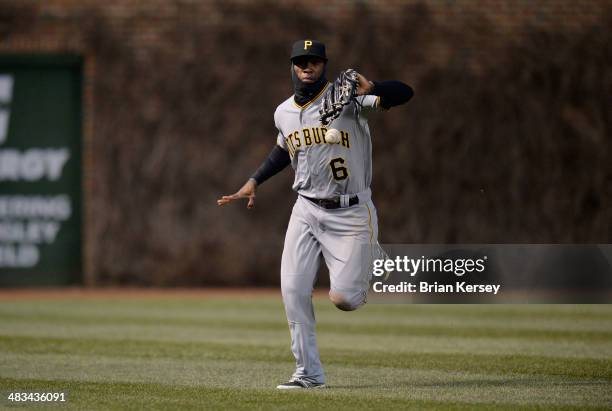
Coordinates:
x,y
337,168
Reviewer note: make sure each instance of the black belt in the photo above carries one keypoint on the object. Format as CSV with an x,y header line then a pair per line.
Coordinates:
x,y
332,203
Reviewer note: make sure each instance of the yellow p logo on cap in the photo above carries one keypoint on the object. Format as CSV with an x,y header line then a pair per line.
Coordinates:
x,y
307,43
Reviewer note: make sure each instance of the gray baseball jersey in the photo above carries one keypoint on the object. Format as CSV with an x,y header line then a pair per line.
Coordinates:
x,y
344,238
325,170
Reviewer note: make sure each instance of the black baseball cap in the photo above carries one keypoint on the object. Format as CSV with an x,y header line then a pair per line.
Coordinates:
x,y
311,48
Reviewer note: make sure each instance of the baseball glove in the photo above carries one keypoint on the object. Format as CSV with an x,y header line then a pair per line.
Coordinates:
x,y
339,94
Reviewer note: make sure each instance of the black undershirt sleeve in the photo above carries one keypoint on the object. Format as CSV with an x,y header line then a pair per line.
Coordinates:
x,y
277,160
392,93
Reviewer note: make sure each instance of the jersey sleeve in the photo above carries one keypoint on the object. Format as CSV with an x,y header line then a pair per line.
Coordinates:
x,y
280,141
280,138
368,104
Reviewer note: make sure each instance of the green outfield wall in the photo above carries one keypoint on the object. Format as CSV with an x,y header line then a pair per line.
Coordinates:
x,y
40,170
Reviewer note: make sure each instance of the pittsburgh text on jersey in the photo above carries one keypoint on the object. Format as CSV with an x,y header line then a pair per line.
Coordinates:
x,y
312,136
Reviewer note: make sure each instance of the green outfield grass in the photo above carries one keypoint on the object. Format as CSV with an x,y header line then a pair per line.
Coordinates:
x,y
230,353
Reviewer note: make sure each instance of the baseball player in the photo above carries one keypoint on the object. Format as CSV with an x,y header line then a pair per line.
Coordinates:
x,y
333,218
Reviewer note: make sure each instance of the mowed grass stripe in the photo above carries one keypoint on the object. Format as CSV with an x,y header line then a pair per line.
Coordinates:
x,y
365,316
386,357
388,328
273,306
280,339
515,317
132,396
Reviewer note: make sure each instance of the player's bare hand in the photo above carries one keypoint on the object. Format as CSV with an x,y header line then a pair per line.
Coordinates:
x,y
246,191
365,86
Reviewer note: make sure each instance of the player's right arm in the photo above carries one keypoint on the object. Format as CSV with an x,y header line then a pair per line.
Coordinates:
x,y
246,191
277,160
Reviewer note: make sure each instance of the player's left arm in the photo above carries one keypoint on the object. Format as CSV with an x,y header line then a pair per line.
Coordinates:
x,y
391,92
